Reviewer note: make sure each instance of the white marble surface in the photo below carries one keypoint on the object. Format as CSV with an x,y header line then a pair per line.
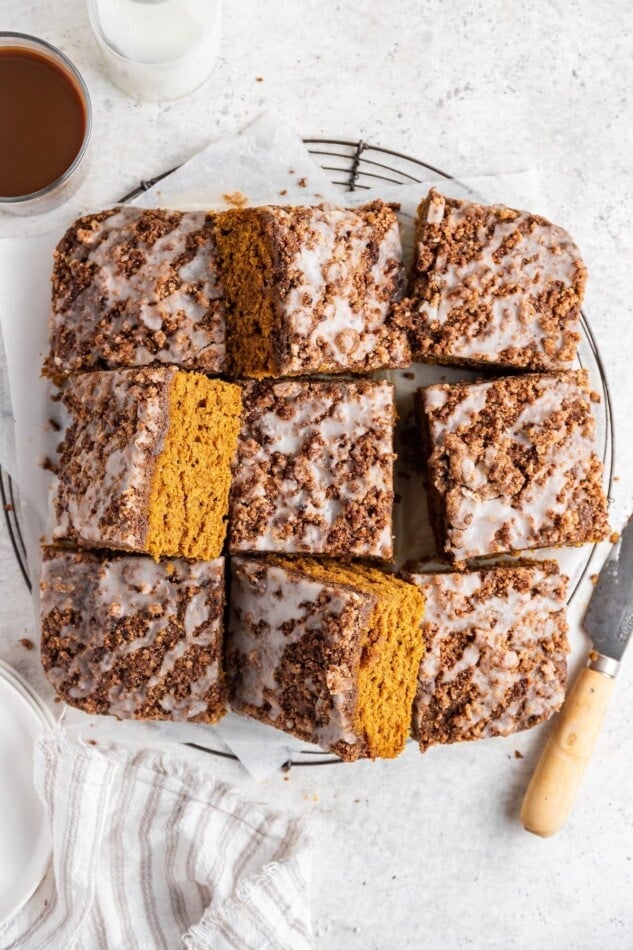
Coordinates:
x,y
403,858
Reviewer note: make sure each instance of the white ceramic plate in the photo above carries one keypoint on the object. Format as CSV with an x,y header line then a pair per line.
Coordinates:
x,y
25,844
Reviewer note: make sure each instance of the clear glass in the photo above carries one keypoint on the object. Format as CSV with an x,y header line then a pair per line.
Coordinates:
x,y
157,49
51,196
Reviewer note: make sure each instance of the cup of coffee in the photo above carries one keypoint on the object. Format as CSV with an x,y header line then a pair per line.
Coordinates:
x,y
45,117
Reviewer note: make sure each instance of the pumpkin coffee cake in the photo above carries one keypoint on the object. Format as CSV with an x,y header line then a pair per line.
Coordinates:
x,y
146,462
511,464
493,286
127,637
135,287
495,659
311,290
313,472
324,651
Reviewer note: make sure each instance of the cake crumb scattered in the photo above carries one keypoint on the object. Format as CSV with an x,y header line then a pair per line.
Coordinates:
x,y
517,754
284,191
614,537
92,742
259,78
594,579
235,198
303,182
27,643
8,507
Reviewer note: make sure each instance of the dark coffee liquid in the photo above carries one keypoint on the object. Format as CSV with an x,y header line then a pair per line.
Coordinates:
x,y
42,121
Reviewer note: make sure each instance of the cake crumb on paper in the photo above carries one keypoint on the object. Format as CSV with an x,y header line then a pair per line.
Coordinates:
x,y
27,643
235,198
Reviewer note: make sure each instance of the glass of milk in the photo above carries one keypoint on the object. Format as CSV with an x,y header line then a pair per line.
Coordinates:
x,y
157,49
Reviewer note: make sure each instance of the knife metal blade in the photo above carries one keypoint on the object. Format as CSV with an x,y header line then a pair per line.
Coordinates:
x,y
609,616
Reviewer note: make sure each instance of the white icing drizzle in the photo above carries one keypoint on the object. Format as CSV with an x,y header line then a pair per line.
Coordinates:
x,y
318,432
104,592
507,643
272,608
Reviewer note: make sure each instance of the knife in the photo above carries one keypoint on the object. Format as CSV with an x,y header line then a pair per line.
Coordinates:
x,y
609,623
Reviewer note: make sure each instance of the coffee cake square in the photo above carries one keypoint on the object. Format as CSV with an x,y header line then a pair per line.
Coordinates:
x,y
495,659
493,286
124,636
328,652
313,472
312,289
137,287
145,464
510,464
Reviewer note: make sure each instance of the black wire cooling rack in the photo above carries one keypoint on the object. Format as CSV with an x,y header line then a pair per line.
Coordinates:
x,y
351,166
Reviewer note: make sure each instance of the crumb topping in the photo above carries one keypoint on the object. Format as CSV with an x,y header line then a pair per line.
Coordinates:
x,y
133,287
496,647
511,464
119,421
339,272
293,652
314,469
494,285
127,637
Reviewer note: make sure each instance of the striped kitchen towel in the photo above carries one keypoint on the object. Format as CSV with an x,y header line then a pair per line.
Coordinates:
x,y
149,851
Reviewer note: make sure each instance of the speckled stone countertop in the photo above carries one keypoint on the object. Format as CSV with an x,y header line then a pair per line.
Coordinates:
x,y
402,857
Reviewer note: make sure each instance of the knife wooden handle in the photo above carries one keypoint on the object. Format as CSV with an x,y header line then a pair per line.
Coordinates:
x,y
556,780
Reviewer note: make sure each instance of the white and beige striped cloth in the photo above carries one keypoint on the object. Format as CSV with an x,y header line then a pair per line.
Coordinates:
x,y
150,851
